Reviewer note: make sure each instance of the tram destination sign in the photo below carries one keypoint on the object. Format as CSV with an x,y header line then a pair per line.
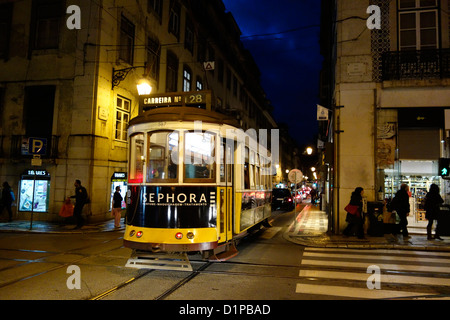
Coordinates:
x,y
174,99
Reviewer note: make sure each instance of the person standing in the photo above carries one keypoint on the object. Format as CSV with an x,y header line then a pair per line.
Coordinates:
x,y
400,203
81,197
432,202
117,207
354,214
7,200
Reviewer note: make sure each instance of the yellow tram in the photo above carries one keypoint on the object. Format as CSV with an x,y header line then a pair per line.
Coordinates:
x,y
196,182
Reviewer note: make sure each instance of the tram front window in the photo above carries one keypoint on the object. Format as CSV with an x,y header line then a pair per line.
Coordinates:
x,y
136,170
162,156
199,155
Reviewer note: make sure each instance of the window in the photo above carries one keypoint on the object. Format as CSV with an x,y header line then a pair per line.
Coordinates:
x,y
155,6
46,24
199,155
136,170
189,35
220,68
39,120
126,40
418,25
122,118
172,72
174,19
246,169
5,29
199,84
162,158
187,79
153,54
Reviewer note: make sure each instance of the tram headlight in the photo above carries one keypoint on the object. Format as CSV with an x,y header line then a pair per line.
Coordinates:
x,y
139,234
179,236
132,233
190,235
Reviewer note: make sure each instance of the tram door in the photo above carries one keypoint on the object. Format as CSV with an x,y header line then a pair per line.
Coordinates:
x,y
226,193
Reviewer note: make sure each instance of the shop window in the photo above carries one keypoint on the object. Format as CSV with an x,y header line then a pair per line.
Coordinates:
x,y
122,117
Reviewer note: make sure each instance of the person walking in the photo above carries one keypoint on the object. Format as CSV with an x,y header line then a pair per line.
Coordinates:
x,y
7,200
400,203
354,214
432,202
81,197
117,207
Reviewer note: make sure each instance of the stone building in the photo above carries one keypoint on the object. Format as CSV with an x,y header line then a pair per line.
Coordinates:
x,y
389,96
68,80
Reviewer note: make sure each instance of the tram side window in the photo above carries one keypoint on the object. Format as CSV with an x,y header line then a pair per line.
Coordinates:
x,y
246,170
136,170
199,155
225,162
162,156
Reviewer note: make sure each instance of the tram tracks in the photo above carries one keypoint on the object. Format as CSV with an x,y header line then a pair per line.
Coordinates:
x,y
46,255
202,269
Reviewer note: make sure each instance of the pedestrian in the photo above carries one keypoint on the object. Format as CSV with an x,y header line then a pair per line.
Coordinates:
x,y
117,207
81,198
7,199
354,214
400,204
432,202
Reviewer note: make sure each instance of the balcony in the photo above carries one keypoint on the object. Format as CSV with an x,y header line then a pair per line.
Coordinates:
x,y
19,147
419,64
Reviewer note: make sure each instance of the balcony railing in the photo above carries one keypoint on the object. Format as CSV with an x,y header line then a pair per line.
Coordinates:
x,y
20,149
420,64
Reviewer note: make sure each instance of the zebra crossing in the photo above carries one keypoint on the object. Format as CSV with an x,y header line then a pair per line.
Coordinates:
x,y
328,273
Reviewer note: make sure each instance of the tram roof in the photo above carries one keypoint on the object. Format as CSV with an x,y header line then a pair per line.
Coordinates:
x,y
183,114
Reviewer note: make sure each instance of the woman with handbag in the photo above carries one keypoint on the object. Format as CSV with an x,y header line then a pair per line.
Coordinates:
x,y
354,214
432,202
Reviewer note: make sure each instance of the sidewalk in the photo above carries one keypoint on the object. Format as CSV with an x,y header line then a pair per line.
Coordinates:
x,y
53,227
310,229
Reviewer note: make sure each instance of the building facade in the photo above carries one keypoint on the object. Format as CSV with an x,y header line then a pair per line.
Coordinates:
x,y
68,88
389,98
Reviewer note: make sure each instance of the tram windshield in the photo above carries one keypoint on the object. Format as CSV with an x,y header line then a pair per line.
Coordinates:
x,y
162,156
199,157
136,171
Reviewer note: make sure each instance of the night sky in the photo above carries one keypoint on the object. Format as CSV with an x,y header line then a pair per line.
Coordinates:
x,y
283,37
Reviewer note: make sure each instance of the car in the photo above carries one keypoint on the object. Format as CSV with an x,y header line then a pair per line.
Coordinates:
x,y
282,199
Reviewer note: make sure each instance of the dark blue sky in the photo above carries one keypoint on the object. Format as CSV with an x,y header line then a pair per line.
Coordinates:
x,y
287,55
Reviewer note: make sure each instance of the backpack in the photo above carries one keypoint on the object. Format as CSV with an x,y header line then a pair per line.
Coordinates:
x,y
13,198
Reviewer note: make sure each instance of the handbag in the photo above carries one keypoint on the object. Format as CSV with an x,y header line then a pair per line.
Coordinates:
x,y
66,209
352,209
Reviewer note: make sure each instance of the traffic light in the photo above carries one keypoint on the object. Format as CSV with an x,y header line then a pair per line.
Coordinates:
x,y
444,167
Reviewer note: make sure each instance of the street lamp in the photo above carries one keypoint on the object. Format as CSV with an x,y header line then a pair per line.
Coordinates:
x,y
144,87
309,150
